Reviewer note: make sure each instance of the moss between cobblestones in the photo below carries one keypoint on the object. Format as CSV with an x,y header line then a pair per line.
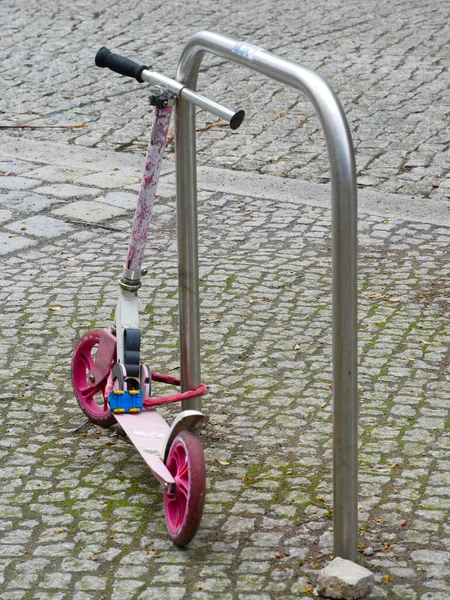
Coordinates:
x,y
230,280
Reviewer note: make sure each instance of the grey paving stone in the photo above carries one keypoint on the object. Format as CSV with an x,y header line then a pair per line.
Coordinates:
x,y
431,556
12,243
88,211
55,174
110,179
27,202
91,583
66,190
41,226
120,199
10,166
17,183
5,215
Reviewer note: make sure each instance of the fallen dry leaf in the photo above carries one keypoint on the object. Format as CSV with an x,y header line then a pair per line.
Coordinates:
x,y
54,308
222,462
211,125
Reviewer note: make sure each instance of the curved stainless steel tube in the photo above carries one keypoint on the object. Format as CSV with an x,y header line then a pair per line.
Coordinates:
x,y
344,253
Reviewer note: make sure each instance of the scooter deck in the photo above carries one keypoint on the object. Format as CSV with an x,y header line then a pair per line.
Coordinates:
x,y
148,432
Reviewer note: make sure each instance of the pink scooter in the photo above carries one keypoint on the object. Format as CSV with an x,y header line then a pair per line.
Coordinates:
x,y
109,381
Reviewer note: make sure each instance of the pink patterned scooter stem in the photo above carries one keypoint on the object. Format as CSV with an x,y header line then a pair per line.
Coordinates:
x,y
147,193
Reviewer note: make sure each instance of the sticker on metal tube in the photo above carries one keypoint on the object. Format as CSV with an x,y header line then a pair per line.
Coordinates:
x,y
245,50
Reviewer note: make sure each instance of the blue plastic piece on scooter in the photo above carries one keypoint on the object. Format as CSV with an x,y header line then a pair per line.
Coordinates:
x,y
125,402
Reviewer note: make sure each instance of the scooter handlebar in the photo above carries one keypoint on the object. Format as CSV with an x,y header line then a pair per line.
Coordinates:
x,y
124,66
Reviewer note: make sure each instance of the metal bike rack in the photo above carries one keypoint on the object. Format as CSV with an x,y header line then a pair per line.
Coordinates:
x,y
344,254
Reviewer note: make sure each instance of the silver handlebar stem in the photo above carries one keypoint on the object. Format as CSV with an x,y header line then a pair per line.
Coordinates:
x,y
182,91
344,254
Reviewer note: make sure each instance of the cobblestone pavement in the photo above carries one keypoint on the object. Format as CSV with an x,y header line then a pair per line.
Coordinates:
x,y
81,517
387,60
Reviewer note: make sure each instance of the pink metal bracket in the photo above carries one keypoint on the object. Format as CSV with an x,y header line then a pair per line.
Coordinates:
x,y
199,391
105,356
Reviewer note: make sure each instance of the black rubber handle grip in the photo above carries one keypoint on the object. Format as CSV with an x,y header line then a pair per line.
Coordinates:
x,y
119,64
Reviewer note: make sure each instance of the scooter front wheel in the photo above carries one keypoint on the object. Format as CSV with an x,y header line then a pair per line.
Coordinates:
x,y
92,398
184,508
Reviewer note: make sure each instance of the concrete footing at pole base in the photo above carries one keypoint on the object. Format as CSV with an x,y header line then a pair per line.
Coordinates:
x,y
344,579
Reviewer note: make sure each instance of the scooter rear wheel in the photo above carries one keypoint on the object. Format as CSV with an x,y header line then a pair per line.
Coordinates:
x,y
184,508
91,398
